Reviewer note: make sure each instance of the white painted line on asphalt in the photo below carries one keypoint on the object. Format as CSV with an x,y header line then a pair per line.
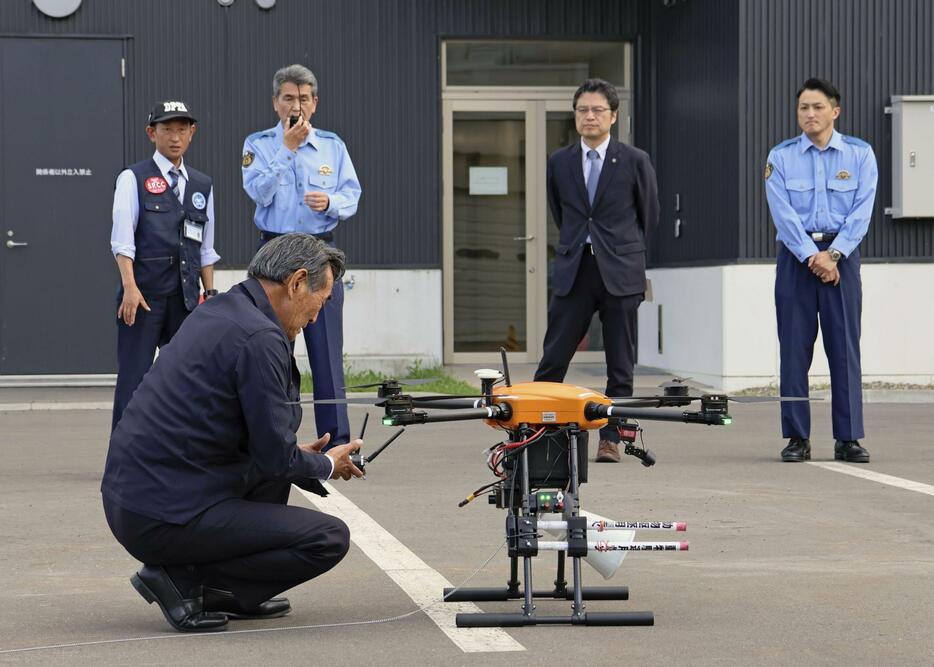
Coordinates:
x,y
27,407
419,581
891,480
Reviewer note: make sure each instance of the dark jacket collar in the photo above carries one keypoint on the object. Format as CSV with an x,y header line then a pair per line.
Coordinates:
x,y
257,295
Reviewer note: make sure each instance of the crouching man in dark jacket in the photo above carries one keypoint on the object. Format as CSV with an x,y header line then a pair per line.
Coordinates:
x,y
200,466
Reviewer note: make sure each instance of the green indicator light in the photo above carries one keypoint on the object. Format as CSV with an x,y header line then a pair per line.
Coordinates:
x,y
388,421
726,421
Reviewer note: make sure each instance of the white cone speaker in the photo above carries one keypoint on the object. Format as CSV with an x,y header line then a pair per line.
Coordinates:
x,y
606,562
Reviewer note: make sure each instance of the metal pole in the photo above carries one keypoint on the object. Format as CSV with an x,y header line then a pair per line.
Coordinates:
x,y
528,607
561,584
578,608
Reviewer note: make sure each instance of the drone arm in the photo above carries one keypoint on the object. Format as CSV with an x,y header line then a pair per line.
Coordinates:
x,y
448,404
490,412
599,411
709,418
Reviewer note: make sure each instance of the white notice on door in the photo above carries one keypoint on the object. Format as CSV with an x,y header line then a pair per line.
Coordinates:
x,y
488,181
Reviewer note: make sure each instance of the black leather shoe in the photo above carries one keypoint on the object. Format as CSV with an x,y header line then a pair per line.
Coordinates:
x,y
850,451
798,449
224,602
185,615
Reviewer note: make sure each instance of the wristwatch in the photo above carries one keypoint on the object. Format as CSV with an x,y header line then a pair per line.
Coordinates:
x,y
835,255
213,292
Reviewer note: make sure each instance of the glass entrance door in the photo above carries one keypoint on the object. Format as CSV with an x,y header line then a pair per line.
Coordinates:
x,y
488,210
489,231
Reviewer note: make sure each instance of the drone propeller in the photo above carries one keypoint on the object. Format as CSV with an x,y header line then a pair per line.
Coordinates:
x,y
392,381
685,398
768,399
380,400
675,382
338,401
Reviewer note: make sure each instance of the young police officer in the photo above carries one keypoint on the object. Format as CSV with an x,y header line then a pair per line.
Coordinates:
x,y
820,186
163,241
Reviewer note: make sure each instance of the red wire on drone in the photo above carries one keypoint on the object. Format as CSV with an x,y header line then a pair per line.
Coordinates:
x,y
513,445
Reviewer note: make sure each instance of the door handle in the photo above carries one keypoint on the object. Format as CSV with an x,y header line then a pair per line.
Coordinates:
x,y
522,238
14,244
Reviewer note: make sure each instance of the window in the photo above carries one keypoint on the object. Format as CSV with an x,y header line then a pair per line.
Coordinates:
x,y
535,63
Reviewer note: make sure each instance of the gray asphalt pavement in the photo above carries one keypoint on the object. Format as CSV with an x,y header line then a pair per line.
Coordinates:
x,y
789,563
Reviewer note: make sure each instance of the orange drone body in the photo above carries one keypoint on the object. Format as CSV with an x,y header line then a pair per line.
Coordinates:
x,y
547,404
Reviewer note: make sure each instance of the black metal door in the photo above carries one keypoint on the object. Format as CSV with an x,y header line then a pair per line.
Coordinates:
x,y
61,146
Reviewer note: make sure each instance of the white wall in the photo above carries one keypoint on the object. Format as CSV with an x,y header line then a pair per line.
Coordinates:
x,y
719,325
392,318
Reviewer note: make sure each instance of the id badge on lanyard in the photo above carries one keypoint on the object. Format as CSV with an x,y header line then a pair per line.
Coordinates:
x,y
194,231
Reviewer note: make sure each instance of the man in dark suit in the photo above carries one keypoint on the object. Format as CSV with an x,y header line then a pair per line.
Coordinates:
x,y
200,466
604,199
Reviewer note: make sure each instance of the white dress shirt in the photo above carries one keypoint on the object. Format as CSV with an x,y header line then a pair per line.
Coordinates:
x,y
585,161
126,212
585,164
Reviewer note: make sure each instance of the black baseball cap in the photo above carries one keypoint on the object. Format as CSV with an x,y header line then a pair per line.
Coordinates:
x,y
169,110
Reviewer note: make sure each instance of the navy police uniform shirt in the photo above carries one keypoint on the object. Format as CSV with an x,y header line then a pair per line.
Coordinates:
x,y
276,179
832,190
212,418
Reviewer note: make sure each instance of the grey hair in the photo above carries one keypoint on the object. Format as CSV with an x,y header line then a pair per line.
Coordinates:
x,y
286,254
297,74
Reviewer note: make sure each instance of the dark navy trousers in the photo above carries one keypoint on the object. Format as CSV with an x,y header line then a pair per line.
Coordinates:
x,y
255,547
569,319
800,299
324,340
136,345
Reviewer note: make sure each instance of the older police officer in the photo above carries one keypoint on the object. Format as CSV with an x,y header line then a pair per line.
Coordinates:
x,y
163,241
302,180
199,469
820,186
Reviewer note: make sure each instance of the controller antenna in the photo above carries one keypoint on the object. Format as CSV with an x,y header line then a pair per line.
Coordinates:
x,y
502,351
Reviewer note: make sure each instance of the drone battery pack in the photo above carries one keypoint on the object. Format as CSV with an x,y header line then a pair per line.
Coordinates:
x,y
549,460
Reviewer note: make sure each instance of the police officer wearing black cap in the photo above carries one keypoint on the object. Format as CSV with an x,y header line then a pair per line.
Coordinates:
x,y
163,241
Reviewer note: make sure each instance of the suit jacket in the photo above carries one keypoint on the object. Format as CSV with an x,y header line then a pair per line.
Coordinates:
x,y
625,211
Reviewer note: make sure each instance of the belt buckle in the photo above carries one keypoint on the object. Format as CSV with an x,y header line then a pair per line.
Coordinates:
x,y
817,236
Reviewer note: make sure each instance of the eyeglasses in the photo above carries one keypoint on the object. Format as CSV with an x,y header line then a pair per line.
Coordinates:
x,y
583,111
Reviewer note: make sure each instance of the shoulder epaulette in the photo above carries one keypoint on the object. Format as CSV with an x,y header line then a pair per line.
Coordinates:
x,y
260,134
787,142
326,135
854,141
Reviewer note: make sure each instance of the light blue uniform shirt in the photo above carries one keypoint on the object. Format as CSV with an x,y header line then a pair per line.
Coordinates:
x,y
821,190
277,179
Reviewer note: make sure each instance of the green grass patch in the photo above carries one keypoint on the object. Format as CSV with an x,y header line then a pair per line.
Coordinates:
x,y
441,382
